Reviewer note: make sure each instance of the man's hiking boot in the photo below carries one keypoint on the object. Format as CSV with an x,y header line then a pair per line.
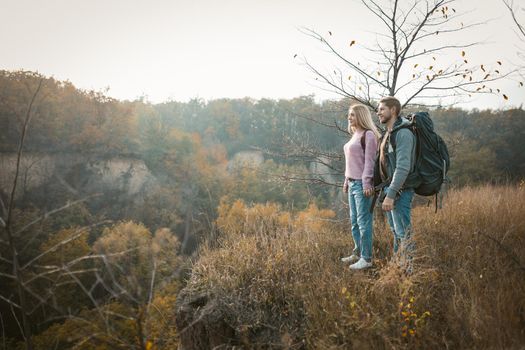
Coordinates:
x,y
350,259
361,264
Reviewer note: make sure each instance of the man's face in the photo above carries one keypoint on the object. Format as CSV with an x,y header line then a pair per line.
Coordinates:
x,y
384,113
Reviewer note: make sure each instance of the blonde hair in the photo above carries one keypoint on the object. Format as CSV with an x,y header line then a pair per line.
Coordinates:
x,y
364,119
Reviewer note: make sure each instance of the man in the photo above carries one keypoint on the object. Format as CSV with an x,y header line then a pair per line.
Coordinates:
x,y
396,164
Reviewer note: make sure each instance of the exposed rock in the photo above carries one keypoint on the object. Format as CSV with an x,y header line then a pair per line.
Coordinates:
x,y
76,172
246,159
201,323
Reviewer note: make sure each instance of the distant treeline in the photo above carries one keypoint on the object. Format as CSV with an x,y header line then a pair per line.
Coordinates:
x,y
485,145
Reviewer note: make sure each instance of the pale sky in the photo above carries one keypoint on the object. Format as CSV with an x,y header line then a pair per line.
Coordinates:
x,y
183,49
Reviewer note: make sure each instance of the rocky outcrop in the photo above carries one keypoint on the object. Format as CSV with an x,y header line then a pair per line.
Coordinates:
x,y
76,172
200,322
251,159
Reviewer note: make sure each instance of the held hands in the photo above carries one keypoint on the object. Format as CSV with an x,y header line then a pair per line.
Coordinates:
x,y
388,204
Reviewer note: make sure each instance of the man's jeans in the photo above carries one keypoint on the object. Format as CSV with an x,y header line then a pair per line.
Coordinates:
x,y
361,220
399,221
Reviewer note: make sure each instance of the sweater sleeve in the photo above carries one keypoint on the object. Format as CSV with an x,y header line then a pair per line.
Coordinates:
x,y
370,155
404,155
347,155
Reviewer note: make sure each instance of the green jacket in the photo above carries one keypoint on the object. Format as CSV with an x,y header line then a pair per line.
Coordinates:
x,y
400,158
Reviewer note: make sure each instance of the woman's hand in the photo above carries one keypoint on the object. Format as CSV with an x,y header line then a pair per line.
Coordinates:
x,y
368,192
345,188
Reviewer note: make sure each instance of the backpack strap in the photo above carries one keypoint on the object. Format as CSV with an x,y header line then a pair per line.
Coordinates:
x,y
378,190
363,140
393,135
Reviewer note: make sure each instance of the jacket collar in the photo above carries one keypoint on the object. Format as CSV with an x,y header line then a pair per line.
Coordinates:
x,y
400,122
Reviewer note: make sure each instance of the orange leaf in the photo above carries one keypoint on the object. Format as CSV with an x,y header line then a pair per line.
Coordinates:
x,y
352,43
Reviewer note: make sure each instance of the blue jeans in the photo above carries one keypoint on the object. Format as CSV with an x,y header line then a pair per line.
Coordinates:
x,y
361,220
399,221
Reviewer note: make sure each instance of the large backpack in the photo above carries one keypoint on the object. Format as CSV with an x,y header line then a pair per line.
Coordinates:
x,y
432,161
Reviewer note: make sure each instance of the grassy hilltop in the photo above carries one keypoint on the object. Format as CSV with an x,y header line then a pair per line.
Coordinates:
x,y
278,282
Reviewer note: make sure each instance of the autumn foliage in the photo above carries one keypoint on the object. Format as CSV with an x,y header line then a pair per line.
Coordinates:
x,y
105,271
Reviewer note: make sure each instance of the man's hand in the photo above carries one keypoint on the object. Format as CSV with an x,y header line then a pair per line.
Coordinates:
x,y
388,204
368,192
345,188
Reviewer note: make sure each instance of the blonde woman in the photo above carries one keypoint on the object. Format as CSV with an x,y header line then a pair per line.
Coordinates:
x,y
360,153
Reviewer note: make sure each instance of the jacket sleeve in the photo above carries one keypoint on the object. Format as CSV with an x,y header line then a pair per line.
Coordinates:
x,y
404,154
370,155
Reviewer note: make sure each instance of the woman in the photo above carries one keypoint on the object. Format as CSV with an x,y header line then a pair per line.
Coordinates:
x,y
360,153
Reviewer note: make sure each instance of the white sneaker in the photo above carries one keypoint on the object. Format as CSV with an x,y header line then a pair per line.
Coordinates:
x,y
350,259
361,264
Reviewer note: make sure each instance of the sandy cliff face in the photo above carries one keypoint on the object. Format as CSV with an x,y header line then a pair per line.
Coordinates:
x,y
247,159
76,172
81,172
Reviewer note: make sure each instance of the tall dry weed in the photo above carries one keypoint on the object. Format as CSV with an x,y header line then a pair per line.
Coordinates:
x,y
279,278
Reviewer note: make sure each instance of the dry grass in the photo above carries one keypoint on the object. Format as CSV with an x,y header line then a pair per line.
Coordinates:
x,y
285,287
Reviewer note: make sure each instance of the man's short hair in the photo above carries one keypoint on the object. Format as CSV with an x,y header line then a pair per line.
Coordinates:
x,y
392,102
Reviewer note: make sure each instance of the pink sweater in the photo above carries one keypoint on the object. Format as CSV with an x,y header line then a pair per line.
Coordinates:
x,y
359,164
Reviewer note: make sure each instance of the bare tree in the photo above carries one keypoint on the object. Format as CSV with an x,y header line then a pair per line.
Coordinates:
x,y
27,300
515,11
7,225
410,59
406,59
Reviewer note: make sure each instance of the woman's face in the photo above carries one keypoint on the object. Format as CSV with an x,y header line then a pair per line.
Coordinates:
x,y
352,119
